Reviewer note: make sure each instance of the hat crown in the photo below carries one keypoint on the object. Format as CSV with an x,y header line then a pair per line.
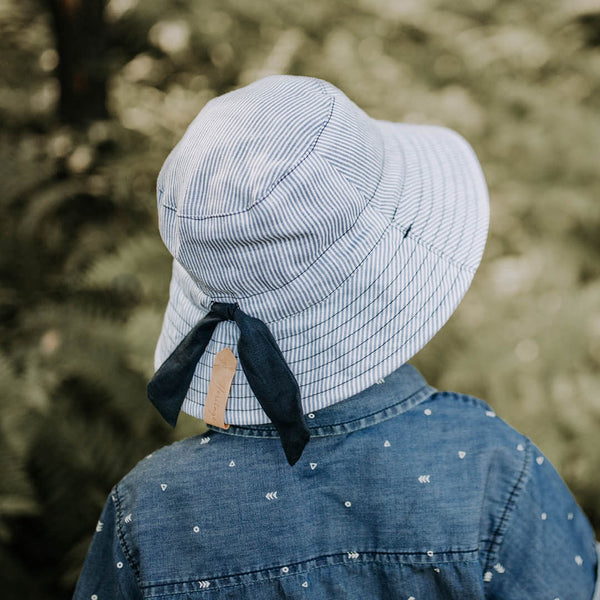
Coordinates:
x,y
264,180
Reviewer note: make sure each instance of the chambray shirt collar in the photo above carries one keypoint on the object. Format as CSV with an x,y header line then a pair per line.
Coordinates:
x,y
400,391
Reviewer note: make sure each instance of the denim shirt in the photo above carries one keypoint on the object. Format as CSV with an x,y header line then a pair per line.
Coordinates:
x,y
402,492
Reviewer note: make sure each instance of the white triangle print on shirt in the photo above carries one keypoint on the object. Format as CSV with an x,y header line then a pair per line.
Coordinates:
x,y
232,464
313,466
387,444
461,454
163,486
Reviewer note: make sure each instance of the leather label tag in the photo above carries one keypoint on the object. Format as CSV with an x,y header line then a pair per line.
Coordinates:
x,y
223,371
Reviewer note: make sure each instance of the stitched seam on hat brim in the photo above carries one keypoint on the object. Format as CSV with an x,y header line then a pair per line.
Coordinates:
x,y
441,256
441,259
347,307
257,409
431,248
273,185
441,302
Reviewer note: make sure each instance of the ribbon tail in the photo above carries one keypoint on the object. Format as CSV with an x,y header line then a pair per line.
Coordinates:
x,y
169,385
273,384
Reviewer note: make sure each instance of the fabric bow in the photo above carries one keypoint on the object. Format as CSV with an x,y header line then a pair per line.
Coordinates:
x,y
268,374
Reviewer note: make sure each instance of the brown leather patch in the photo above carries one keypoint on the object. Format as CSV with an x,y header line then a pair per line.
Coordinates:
x,y
223,371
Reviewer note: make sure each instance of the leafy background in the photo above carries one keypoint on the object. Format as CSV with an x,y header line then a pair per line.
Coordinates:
x,y
87,121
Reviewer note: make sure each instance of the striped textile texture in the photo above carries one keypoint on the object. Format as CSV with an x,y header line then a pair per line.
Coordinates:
x,y
353,239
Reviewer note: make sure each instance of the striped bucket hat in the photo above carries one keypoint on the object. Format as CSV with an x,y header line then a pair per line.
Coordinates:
x,y
349,240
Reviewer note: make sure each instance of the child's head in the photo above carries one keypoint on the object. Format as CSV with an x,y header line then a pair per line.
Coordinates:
x,y
352,239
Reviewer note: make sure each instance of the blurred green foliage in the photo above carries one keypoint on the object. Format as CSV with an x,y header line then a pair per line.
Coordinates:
x,y
85,275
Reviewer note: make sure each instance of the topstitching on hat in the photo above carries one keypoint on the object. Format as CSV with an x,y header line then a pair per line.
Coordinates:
x,y
352,239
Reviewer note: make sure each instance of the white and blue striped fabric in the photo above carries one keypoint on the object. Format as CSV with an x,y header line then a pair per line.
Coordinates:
x,y
353,239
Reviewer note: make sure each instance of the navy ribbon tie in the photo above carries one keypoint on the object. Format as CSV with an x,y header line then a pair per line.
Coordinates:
x,y
268,374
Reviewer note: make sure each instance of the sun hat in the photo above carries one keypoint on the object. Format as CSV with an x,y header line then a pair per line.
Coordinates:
x,y
349,240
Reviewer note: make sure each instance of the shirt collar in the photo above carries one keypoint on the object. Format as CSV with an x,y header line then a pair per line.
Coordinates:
x,y
398,392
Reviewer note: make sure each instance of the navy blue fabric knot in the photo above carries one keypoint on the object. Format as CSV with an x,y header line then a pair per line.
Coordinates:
x,y
268,374
225,310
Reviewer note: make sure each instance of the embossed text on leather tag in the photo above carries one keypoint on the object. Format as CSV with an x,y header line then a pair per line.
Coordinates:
x,y
223,371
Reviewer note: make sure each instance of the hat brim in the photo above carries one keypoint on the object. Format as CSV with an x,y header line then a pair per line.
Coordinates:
x,y
433,197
